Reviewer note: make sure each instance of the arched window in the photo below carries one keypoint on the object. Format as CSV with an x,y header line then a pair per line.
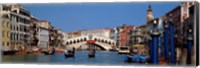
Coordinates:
x,y
109,43
78,40
67,43
70,42
106,41
102,40
95,39
81,40
74,41
113,43
85,39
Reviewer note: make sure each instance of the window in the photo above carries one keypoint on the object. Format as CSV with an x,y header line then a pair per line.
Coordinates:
x,y
8,35
11,36
7,43
5,8
11,27
8,24
18,19
3,23
3,43
3,34
17,28
14,27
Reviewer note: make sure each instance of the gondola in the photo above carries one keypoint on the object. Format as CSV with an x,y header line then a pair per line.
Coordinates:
x,y
66,55
69,54
91,54
49,52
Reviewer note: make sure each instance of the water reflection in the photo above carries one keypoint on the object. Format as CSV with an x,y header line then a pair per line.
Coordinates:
x,y
81,57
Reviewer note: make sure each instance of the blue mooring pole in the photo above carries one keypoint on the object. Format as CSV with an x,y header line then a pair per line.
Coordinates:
x,y
166,50
150,49
172,47
155,34
189,46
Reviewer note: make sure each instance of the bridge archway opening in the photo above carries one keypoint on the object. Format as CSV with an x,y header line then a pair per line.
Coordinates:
x,y
70,42
109,42
67,43
102,41
95,39
106,41
97,46
74,41
85,39
77,40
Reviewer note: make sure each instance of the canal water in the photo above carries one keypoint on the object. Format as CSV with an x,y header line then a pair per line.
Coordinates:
x,y
81,57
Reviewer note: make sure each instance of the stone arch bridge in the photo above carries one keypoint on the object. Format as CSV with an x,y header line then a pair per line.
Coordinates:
x,y
76,42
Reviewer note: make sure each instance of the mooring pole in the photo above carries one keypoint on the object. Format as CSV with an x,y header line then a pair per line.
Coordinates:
x,y
166,48
155,34
150,48
172,47
189,46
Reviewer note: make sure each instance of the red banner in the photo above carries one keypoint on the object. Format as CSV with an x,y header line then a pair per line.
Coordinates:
x,y
91,42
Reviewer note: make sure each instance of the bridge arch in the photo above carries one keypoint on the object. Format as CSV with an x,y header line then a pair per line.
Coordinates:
x,y
105,43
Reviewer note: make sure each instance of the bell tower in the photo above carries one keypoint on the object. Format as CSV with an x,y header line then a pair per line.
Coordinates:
x,y
149,14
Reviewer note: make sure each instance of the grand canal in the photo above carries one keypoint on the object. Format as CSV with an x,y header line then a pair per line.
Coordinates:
x,y
81,57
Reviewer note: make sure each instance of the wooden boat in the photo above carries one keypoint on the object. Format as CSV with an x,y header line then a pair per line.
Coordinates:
x,y
49,53
59,51
69,54
9,52
52,52
22,52
91,54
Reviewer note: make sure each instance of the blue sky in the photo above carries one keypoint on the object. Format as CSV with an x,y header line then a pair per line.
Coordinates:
x,y
83,16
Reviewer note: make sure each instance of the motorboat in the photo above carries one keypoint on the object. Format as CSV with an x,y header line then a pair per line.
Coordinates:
x,y
123,50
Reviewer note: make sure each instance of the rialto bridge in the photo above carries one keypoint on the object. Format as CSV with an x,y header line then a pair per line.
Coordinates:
x,y
102,42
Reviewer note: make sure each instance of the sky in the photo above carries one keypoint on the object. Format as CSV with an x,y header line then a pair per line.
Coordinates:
x,y
70,17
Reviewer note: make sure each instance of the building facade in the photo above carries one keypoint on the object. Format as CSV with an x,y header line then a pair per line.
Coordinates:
x,y
20,27
59,38
73,34
16,27
43,33
97,32
33,31
139,34
124,34
5,27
